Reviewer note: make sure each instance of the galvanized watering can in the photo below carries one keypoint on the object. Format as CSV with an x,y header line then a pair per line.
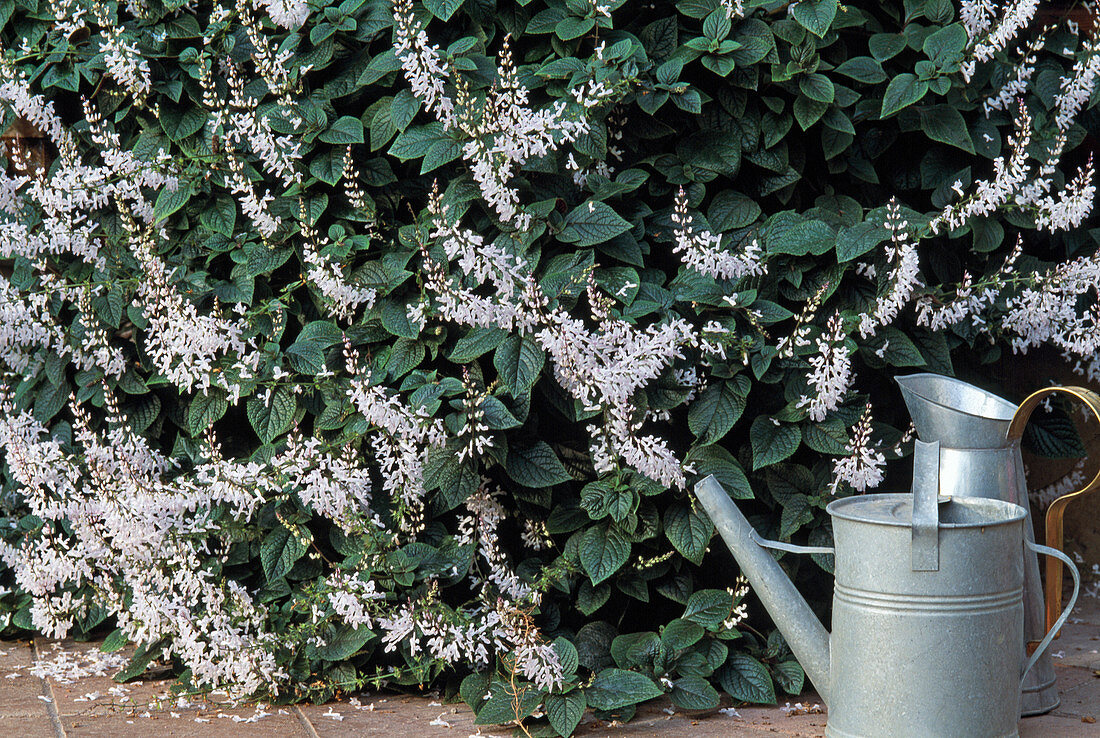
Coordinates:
x,y
928,612
978,455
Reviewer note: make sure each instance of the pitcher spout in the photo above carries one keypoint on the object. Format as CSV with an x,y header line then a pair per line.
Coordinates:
x,y
957,414
804,633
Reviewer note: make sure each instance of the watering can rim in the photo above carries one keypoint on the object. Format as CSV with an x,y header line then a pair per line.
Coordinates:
x,y
1009,408
1009,512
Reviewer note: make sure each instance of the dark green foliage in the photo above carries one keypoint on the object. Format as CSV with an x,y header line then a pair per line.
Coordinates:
x,y
793,126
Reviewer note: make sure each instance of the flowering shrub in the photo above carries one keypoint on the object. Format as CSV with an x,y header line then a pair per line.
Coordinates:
x,y
368,342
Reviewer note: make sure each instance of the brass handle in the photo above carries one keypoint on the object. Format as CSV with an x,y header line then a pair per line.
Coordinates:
x,y
1057,509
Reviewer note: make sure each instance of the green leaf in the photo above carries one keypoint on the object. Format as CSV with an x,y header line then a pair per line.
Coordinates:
x,y
322,332
50,401
680,634
935,350
571,27
404,108
797,512
169,200
455,479
593,644
690,100
799,238
592,223
566,273
689,531
497,415
660,37
744,678
651,100
395,319
144,413
862,69
815,15
139,662
896,348
988,234
714,413
545,20
346,130
857,240
615,688
720,65
116,640
55,368
817,87
110,306
694,693
343,641
945,47
903,91
405,355
669,72
179,123
731,209
518,361
1053,436
709,607
473,689
475,343
829,437
535,466
716,26
415,142
945,124
602,498
603,551
885,46
440,153
720,462
382,129
220,216
590,599
807,111
567,654
564,711
772,441
443,9
834,142
633,650
205,410
281,549
789,676
508,702
274,418
307,354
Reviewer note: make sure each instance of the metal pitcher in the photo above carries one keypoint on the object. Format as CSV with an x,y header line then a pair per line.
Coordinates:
x,y
927,611
978,455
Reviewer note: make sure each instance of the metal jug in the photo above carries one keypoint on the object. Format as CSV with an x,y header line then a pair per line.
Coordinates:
x,y
927,611
978,455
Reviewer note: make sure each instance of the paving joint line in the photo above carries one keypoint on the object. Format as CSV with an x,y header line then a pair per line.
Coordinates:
x,y
48,693
306,724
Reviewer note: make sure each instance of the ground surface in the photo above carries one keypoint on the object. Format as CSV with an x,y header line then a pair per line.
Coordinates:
x,y
53,704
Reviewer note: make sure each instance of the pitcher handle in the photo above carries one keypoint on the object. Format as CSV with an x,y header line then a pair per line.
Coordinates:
x,y
790,547
1057,509
1058,557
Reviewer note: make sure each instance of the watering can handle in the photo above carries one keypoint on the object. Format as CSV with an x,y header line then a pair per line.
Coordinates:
x,y
1059,558
1057,509
790,547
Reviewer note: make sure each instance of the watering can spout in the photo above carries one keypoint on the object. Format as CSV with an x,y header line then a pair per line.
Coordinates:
x,y
804,633
954,413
